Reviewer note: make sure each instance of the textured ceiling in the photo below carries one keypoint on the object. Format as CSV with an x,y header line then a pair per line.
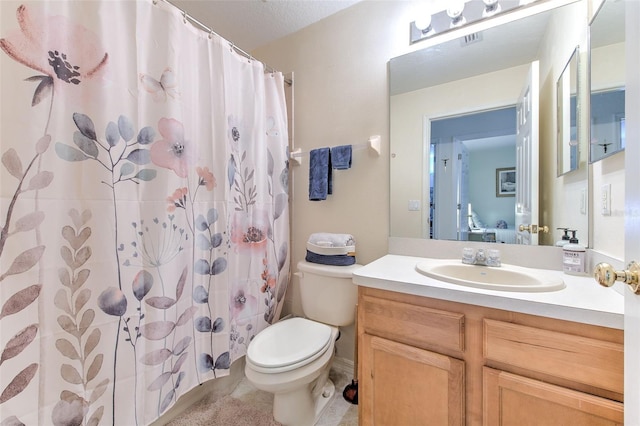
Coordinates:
x,y
250,24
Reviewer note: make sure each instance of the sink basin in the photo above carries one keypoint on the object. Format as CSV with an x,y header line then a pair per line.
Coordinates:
x,y
505,277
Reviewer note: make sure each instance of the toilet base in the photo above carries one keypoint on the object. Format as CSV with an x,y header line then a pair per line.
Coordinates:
x,y
301,408
328,390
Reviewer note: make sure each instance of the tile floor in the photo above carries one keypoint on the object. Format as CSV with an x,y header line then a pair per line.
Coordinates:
x,y
339,412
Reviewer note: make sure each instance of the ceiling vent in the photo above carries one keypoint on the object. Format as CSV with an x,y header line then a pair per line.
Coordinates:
x,y
471,38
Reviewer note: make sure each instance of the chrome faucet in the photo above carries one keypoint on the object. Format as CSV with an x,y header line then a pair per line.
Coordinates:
x,y
479,257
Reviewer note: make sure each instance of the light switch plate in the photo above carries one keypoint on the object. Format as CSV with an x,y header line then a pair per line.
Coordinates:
x,y
605,198
414,205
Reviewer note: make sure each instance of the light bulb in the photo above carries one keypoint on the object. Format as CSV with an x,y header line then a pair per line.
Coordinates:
x,y
454,11
423,23
491,7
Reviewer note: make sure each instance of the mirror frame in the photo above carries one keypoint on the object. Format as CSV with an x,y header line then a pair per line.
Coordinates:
x,y
568,115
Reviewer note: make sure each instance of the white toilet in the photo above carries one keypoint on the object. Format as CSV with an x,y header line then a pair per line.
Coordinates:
x,y
292,358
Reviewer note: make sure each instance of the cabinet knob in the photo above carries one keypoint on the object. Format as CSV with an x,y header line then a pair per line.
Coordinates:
x,y
606,275
534,229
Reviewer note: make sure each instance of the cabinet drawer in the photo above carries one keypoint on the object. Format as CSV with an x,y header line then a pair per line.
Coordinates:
x,y
412,324
579,359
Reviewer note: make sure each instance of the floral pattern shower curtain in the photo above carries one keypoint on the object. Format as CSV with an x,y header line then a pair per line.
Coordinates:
x,y
144,220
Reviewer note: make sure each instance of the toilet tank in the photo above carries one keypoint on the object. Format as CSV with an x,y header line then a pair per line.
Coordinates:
x,y
327,292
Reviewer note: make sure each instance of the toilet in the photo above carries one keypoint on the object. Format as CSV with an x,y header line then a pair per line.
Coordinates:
x,y
292,358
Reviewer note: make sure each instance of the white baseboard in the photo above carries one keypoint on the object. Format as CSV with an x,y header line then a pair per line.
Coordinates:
x,y
343,365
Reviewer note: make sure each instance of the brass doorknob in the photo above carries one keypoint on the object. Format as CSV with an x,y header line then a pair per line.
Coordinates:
x,y
606,275
534,229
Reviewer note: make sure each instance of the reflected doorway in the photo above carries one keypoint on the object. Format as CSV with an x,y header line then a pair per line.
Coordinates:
x,y
468,155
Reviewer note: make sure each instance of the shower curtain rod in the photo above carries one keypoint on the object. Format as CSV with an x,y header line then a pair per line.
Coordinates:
x,y
186,16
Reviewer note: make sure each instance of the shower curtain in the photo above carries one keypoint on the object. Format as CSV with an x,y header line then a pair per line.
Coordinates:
x,y
143,209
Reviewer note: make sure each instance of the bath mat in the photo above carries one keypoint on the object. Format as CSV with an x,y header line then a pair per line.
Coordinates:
x,y
227,411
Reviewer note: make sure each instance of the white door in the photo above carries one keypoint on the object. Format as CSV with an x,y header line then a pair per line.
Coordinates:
x,y
632,215
462,163
527,113
445,218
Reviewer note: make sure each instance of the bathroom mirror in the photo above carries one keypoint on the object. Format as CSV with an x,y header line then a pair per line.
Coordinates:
x,y
567,107
607,80
483,72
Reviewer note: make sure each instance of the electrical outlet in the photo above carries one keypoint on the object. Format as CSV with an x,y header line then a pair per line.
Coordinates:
x,y
605,198
414,205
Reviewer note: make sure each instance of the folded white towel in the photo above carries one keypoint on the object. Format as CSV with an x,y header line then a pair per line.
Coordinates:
x,y
331,244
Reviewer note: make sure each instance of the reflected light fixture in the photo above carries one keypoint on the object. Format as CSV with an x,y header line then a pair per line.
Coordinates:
x,y
459,13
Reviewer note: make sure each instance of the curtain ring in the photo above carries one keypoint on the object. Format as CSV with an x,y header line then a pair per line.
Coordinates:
x,y
184,16
211,35
155,2
231,46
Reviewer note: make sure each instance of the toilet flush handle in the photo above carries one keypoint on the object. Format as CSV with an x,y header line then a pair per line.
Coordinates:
x,y
298,274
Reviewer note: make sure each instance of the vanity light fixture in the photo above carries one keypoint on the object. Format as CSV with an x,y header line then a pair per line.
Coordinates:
x,y
458,14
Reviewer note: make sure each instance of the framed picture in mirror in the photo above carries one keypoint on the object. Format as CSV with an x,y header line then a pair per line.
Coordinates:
x,y
506,182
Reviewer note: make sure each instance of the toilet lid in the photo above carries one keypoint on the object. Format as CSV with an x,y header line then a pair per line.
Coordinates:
x,y
289,342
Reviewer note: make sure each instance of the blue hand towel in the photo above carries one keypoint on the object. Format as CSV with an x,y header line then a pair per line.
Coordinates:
x,y
320,174
335,259
341,157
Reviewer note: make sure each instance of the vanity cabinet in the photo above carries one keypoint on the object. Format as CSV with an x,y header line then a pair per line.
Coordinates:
x,y
425,361
403,378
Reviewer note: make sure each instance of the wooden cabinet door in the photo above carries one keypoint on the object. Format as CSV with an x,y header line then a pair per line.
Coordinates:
x,y
510,399
404,385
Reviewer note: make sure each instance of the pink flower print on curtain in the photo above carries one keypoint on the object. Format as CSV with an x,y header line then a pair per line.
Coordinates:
x,y
206,178
243,304
250,230
172,151
65,52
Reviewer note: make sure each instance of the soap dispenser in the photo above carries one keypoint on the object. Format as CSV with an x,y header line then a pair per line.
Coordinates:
x,y
565,238
573,256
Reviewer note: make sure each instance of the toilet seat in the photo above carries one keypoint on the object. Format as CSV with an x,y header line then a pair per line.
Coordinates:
x,y
288,345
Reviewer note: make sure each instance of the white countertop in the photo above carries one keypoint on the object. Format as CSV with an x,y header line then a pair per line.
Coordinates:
x,y
582,300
